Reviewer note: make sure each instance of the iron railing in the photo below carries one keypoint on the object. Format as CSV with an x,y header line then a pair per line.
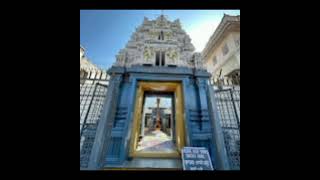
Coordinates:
x,y
228,105
93,90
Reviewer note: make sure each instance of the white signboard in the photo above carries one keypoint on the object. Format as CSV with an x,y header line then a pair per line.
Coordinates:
x,y
196,158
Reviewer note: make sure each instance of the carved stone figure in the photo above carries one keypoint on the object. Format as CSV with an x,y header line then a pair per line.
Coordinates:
x,y
148,53
153,34
172,54
168,35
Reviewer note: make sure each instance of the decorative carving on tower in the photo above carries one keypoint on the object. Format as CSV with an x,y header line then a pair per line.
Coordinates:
x,y
148,53
168,35
172,54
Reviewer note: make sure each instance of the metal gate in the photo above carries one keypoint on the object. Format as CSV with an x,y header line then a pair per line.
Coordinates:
x,y
93,90
228,104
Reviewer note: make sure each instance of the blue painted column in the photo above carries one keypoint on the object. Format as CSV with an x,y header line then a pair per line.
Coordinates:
x,y
186,84
204,136
204,115
202,84
105,123
129,120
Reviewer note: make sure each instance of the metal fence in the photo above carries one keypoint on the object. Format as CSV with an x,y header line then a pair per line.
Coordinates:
x,y
93,90
228,104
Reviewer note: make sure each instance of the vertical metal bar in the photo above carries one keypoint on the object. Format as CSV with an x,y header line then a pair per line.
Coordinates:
x,y
235,110
85,119
95,99
93,107
224,109
84,101
85,78
225,122
89,93
92,97
84,94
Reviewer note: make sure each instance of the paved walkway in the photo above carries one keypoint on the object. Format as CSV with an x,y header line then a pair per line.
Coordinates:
x,y
156,141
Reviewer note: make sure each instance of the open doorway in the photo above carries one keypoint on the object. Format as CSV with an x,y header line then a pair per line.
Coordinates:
x,y
158,127
157,124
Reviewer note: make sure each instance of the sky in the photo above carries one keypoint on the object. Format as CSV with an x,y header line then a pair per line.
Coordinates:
x,y
104,32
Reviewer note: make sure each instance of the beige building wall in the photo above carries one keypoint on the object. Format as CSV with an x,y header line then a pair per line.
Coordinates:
x,y
220,65
227,62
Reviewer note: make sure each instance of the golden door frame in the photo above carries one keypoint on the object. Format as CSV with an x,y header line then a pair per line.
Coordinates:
x,y
174,87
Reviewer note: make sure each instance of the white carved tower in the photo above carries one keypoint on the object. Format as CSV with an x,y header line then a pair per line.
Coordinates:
x,y
159,43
